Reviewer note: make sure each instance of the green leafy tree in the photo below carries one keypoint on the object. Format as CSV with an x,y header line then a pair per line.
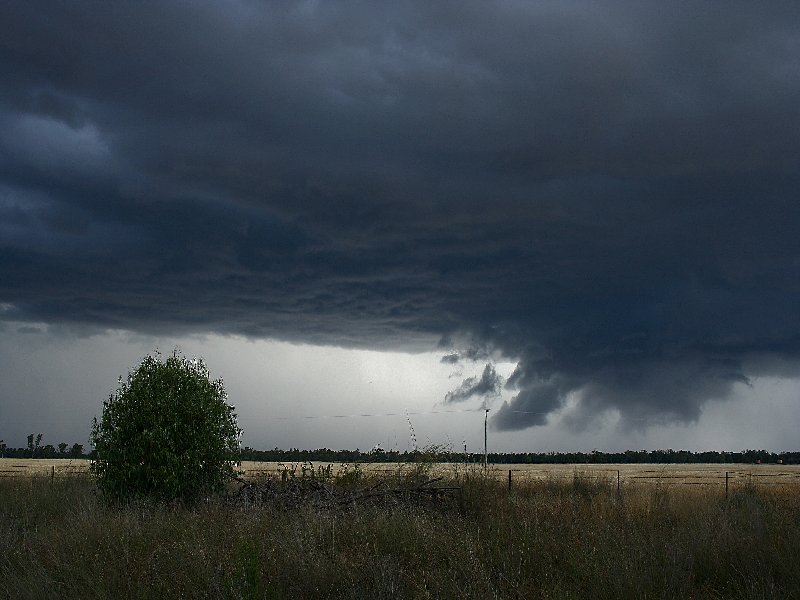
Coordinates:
x,y
167,433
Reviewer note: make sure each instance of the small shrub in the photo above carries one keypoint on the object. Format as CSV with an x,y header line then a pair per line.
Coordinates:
x,y
423,462
587,485
349,475
166,433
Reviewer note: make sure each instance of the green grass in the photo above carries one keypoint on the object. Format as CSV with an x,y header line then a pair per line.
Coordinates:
x,y
550,539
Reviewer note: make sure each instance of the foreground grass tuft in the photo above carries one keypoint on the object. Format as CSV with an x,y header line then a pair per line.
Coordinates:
x,y
548,539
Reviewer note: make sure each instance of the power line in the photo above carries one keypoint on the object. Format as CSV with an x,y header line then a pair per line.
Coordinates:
x,y
430,412
388,414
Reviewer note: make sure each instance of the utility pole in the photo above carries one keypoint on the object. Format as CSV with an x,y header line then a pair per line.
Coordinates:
x,y
485,447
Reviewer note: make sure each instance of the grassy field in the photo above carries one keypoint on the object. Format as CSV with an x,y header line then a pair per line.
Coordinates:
x,y
568,535
11,467
662,474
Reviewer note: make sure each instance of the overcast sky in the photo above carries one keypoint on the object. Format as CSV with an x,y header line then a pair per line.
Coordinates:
x,y
581,215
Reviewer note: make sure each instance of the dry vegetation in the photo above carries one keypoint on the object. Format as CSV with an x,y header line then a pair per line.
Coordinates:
x,y
551,537
11,467
662,474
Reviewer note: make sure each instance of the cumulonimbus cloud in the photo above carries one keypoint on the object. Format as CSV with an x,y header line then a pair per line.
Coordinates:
x,y
604,193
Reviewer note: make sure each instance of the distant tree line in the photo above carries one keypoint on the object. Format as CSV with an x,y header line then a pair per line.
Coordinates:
x,y
35,449
669,456
593,457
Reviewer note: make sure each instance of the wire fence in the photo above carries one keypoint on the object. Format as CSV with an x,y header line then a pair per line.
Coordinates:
x,y
721,476
43,468
670,475
675,476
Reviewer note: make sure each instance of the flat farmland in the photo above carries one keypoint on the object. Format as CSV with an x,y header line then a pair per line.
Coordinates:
x,y
12,467
661,474
561,531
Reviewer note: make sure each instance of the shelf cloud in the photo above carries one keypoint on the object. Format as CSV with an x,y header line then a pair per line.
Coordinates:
x,y
604,193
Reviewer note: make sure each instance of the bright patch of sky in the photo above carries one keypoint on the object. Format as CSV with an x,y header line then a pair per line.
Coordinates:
x,y
293,395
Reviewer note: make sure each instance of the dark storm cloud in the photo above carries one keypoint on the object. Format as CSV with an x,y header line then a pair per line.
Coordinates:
x,y
605,192
530,407
486,386
450,359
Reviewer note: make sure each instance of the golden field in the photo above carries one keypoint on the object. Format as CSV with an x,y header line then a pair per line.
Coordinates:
x,y
663,474
10,467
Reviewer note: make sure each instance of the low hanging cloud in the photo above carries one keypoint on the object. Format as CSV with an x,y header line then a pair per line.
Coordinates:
x,y
488,385
528,408
604,193
450,359
642,390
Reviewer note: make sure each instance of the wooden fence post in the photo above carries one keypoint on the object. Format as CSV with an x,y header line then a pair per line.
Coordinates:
x,y
726,485
509,480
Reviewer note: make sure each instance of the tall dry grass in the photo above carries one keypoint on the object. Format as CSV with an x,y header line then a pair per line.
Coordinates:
x,y
577,538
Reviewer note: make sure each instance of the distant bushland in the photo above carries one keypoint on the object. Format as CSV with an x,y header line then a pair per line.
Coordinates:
x,y
594,457
393,456
35,449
